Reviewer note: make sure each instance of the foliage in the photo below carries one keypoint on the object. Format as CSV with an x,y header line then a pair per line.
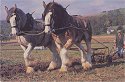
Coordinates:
x,y
106,19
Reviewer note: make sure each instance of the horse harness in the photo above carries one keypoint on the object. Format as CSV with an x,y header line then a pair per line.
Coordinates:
x,y
68,24
26,30
29,23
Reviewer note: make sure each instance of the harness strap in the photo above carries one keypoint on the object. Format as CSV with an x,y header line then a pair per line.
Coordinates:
x,y
71,25
13,27
29,33
47,25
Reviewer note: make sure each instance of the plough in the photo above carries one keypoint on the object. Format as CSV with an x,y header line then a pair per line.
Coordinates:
x,y
101,57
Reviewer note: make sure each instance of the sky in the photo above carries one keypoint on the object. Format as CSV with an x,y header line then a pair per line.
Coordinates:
x,y
77,7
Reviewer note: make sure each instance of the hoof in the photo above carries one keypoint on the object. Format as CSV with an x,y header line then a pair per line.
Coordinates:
x,y
63,69
33,63
68,62
52,66
31,59
29,70
87,65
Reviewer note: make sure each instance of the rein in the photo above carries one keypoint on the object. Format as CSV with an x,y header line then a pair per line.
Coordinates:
x,y
39,32
71,25
30,33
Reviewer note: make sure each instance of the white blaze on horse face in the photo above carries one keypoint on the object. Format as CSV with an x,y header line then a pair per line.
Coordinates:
x,y
13,21
47,22
14,31
13,24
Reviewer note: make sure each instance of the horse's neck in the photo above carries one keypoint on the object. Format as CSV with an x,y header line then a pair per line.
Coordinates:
x,y
23,19
38,25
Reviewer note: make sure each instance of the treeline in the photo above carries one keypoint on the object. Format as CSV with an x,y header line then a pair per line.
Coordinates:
x,y
106,19
4,31
4,28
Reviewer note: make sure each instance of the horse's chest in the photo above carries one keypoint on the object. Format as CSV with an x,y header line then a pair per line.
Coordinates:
x,y
60,39
22,40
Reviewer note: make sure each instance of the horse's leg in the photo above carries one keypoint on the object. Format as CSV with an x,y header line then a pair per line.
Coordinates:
x,y
64,58
56,61
27,52
23,47
84,60
88,64
82,52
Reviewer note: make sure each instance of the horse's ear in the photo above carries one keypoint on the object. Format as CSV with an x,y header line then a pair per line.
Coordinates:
x,y
6,8
15,6
53,1
44,4
33,12
67,6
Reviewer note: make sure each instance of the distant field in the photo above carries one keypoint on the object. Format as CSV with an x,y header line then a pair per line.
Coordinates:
x,y
13,69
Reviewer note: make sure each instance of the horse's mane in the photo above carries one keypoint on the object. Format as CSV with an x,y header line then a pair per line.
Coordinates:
x,y
55,3
17,10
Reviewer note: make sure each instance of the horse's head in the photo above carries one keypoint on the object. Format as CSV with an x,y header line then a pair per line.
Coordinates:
x,y
14,18
53,16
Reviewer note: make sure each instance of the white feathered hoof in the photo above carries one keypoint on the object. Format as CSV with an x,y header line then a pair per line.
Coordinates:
x,y
29,70
63,69
31,59
87,66
33,63
68,63
52,66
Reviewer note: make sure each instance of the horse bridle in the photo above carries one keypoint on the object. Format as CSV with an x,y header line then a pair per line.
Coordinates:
x,y
51,20
17,18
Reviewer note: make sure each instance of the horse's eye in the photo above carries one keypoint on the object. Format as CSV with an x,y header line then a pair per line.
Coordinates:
x,y
42,15
49,10
13,14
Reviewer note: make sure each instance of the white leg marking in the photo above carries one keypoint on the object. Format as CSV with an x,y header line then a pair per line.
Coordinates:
x,y
47,21
27,53
63,56
82,52
64,60
24,48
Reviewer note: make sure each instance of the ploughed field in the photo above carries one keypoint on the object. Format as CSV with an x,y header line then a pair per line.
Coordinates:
x,y
13,67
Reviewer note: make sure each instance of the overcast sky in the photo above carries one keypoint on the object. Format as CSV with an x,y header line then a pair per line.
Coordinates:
x,y
80,7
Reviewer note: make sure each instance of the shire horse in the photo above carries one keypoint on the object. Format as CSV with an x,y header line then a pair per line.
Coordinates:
x,y
67,30
21,25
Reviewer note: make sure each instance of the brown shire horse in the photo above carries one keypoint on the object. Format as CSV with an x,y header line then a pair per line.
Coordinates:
x,y
22,23
67,30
